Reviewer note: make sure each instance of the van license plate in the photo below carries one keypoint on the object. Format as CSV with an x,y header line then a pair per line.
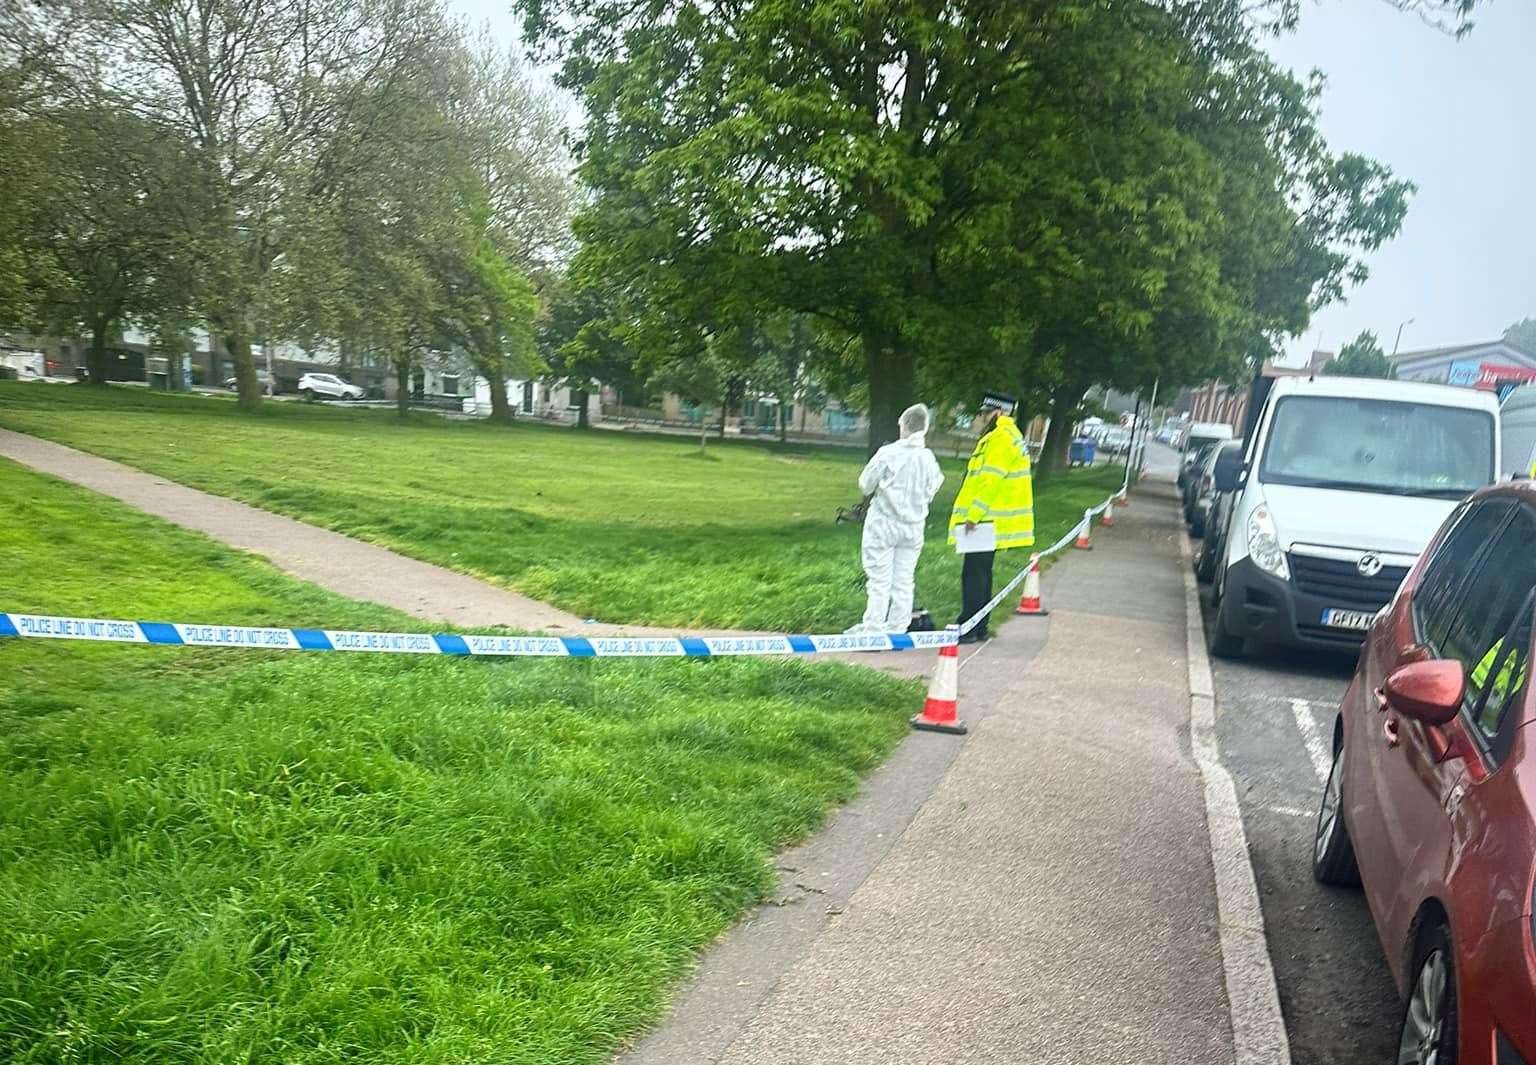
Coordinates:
x,y
1348,619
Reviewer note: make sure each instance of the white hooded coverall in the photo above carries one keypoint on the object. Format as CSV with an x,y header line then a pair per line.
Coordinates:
x,y
903,477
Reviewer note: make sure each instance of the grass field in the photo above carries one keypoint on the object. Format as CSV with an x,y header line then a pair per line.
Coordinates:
x,y
213,856
619,527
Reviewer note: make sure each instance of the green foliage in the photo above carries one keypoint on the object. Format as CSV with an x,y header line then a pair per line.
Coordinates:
x,y
1032,195
1361,357
241,856
619,527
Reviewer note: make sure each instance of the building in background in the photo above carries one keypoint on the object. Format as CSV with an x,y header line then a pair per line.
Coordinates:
x,y
1493,365
1227,402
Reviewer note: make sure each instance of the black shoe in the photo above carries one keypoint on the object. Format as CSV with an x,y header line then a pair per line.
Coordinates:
x,y
974,636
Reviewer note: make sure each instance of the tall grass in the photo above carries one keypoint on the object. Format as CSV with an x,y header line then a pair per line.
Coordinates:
x,y
213,856
616,526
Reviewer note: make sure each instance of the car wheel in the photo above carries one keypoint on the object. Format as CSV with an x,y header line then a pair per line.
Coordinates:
x,y
307,393
1224,642
1333,855
1205,565
1429,1030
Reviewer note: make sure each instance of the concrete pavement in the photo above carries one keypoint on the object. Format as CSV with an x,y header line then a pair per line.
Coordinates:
x,y
1050,899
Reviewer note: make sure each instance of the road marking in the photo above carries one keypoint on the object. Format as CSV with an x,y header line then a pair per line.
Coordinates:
x,y
1290,811
1312,736
1253,1000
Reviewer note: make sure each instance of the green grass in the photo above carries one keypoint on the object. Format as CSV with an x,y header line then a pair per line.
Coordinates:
x,y
619,527
218,856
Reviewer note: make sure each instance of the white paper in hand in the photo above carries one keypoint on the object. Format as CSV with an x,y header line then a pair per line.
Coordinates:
x,y
984,538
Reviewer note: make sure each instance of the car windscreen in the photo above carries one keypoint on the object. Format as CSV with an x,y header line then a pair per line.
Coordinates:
x,y
1372,445
1199,447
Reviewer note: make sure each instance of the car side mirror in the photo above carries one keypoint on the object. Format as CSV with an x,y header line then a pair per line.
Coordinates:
x,y
1429,692
1228,473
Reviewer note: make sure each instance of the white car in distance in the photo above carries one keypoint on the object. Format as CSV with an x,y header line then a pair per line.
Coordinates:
x,y
327,386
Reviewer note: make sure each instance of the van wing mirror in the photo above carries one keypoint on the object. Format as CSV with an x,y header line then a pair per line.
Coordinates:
x,y
1229,472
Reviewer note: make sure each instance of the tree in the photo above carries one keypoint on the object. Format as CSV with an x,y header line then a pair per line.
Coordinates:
x,y
125,202
963,189
1361,357
1522,334
258,89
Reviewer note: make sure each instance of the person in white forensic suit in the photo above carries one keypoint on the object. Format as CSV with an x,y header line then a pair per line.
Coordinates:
x,y
900,481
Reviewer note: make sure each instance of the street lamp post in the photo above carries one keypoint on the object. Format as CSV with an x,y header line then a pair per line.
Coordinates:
x,y
1396,343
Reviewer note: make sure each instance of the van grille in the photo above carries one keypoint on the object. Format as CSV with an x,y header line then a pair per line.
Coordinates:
x,y
1341,584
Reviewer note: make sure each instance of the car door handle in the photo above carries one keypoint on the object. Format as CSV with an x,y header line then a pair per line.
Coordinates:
x,y
1389,730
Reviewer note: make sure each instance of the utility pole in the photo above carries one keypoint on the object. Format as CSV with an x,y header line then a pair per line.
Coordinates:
x,y
1399,339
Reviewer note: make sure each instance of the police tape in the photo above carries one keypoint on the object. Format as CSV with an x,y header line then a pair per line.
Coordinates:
x,y
181,634
108,630
1060,545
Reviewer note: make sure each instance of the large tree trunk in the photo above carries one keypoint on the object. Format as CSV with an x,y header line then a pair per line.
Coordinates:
x,y
96,359
704,431
1053,454
582,419
783,424
248,386
402,387
892,376
501,410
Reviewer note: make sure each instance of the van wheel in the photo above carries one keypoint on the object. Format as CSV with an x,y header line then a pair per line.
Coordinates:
x,y
1429,1030
1224,642
1333,855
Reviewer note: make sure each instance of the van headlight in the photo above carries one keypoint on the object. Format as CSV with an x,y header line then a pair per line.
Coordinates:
x,y
1264,544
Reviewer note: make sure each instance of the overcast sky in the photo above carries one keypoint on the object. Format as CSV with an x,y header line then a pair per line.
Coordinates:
x,y
1454,117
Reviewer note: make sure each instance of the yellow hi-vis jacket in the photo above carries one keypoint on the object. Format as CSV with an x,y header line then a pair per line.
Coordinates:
x,y
997,487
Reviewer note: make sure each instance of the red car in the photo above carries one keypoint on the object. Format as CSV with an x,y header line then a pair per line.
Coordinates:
x,y
1429,803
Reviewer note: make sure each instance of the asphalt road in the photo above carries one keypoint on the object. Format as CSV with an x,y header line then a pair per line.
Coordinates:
x,y
1274,724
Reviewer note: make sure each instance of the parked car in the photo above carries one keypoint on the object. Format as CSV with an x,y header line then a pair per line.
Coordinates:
x,y
263,378
1115,440
328,386
1517,421
1198,441
1218,517
1343,483
1429,804
1203,489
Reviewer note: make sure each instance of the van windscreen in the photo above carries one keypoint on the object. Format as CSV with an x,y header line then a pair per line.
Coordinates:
x,y
1371,445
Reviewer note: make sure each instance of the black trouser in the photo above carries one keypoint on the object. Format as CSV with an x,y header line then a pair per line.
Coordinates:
x,y
976,587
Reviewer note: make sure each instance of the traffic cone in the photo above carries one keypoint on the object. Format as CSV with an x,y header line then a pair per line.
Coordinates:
x,y
1123,499
1108,520
1029,602
1084,532
939,709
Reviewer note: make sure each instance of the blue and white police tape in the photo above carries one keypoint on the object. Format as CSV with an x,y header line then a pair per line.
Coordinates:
x,y
109,630
1008,589
106,630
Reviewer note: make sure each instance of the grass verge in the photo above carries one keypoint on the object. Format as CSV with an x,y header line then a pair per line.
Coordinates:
x,y
620,527
213,856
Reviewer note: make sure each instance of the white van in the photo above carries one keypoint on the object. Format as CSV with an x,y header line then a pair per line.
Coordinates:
x,y
1343,482
1517,421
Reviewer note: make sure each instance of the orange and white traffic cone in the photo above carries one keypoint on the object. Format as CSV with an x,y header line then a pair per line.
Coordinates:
x,y
1108,521
1029,602
1084,532
940,708
1123,499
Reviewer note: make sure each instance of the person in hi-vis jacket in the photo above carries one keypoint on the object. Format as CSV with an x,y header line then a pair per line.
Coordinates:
x,y
997,489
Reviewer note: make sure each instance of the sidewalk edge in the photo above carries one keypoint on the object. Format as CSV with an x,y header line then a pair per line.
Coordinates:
x,y
1253,998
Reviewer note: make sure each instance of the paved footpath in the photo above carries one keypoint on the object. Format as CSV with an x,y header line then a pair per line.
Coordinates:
x,y
1039,891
